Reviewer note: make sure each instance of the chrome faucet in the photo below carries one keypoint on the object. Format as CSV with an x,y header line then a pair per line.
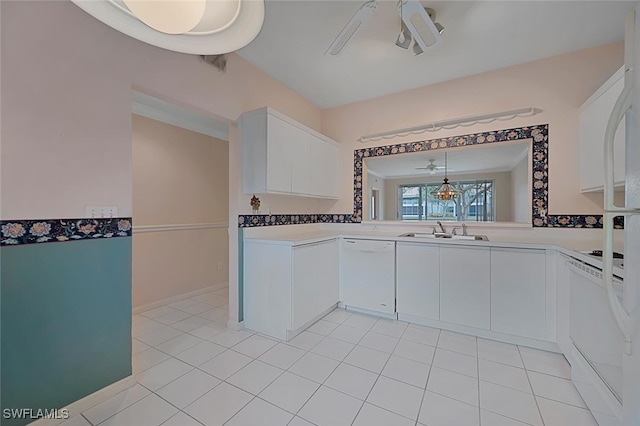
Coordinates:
x,y
441,227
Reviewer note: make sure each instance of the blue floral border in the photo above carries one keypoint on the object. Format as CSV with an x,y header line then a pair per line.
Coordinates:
x,y
539,134
38,231
248,221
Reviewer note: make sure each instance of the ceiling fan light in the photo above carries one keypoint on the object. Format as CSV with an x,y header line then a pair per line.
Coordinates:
x,y
417,49
168,16
417,20
439,27
404,38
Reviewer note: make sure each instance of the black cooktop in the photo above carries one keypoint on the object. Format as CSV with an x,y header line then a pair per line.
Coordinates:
x,y
598,253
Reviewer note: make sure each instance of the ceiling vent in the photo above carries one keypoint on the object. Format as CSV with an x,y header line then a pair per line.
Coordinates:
x,y
217,61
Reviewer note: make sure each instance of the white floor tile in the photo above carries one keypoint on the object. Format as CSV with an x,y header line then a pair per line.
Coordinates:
x,y
260,413
556,388
415,351
200,353
389,327
289,392
147,359
366,358
76,421
458,342
392,395
370,415
379,342
254,346
454,361
421,334
352,380
145,327
172,317
159,336
299,421
509,403
215,314
328,407
218,405
359,320
333,348
282,356
163,374
503,353
186,389
104,410
314,367
229,338
545,362
190,323
504,375
255,377
348,334
181,419
178,344
149,411
197,308
157,312
338,315
207,331
226,364
487,418
407,371
137,347
183,304
305,340
138,319
454,385
438,410
558,414
213,299
322,327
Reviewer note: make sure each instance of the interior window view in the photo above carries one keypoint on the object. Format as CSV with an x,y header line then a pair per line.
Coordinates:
x,y
319,213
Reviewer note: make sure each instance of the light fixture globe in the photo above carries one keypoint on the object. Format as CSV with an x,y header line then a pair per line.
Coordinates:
x,y
225,25
168,16
446,191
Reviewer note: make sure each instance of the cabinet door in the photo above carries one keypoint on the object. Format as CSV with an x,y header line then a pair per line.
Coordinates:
x,y
418,280
300,158
304,287
465,286
328,275
323,168
518,292
279,136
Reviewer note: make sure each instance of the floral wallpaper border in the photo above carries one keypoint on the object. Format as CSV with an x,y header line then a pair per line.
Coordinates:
x,y
38,231
248,221
539,134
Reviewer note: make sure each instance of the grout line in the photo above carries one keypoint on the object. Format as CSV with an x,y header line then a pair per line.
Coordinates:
x,y
531,386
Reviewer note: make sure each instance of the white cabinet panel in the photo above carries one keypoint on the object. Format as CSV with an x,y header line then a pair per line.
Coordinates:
x,y
324,168
465,288
418,280
278,155
300,160
328,274
592,124
518,293
305,285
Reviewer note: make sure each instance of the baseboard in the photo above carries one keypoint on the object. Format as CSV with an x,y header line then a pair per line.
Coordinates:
x,y
89,401
235,325
178,298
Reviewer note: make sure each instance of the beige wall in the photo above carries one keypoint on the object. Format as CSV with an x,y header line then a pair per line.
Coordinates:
x,y
502,182
375,182
557,85
180,177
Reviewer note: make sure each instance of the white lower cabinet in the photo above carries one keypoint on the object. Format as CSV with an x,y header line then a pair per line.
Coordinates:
x,y
465,286
518,292
286,288
418,280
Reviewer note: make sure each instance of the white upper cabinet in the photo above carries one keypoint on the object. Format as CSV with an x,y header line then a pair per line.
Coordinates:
x,y
592,124
283,156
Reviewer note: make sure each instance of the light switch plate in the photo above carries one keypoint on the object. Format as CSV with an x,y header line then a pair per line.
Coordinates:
x,y
100,212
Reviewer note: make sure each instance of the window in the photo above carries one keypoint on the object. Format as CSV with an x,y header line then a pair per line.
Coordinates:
x,y
473,203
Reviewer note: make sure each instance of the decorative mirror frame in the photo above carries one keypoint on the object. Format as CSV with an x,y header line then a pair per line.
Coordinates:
x,y
539,136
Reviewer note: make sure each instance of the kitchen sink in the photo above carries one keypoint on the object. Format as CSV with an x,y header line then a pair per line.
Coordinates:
x,y
444,235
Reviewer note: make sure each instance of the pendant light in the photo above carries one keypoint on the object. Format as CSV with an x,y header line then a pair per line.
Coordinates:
x,y
446,191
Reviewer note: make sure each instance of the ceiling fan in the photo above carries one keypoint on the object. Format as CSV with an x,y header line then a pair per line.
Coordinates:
x,y
432,168
418,24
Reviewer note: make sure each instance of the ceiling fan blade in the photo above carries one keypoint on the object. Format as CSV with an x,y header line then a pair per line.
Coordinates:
x,y
353,26
422,28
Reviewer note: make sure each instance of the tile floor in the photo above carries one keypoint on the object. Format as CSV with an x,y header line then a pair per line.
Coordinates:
x,y
346,369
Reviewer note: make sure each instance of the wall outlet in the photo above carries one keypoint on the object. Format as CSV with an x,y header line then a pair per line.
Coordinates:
x,y
100,212
219,266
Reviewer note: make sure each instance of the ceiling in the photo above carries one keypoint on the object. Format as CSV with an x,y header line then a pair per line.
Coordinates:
x,y
486,158
479,36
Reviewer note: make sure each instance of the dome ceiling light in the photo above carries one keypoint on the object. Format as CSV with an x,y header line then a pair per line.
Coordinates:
x,y
200,27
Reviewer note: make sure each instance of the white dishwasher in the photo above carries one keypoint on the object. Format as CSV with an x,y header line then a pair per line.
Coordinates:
x,y
367,274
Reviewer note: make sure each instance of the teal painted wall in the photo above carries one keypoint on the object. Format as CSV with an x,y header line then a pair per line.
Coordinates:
x,y
65,321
